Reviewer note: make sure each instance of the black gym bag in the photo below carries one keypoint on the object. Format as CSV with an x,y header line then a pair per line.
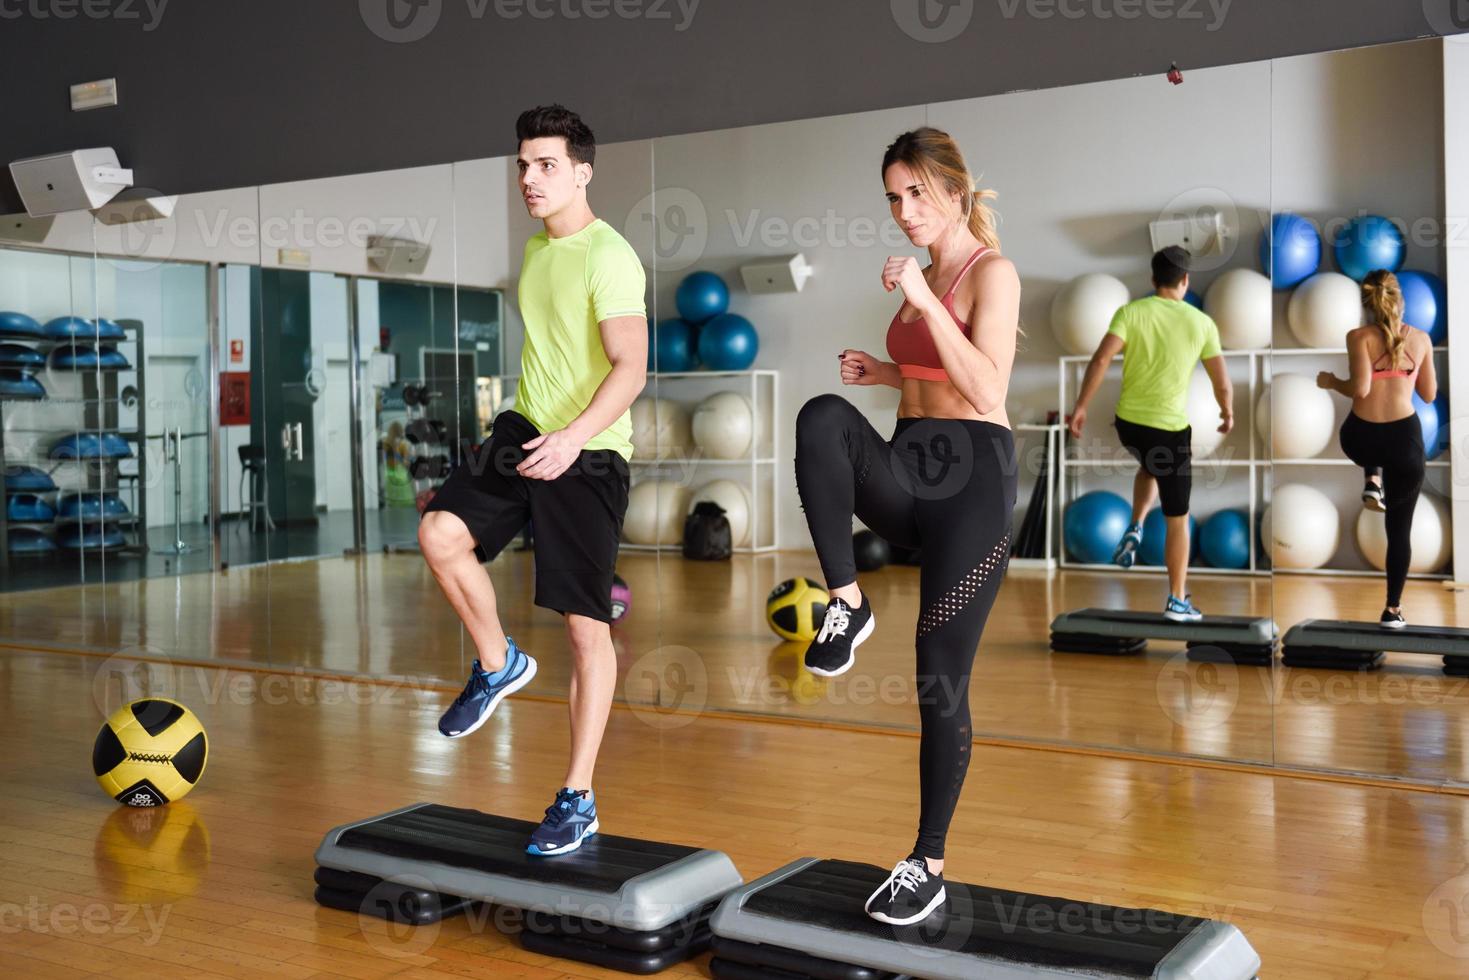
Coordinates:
x,y
706,535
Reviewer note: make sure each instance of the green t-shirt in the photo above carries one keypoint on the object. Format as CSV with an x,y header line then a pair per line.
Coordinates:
x,y
567,287
1164,339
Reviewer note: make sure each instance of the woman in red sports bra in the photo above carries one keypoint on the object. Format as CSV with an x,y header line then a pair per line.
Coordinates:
x,y
943,484
1390,360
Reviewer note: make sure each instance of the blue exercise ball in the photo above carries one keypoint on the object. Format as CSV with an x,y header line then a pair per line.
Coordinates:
x,y
1194,299
1094,524
1296,249
1428,419
728,343
1425,303
1155,539
1441,406
701,296
1367,243
1225,539
674,348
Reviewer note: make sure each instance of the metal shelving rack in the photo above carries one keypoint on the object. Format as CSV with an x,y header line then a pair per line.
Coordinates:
x,y
100,403
762,387
1257,467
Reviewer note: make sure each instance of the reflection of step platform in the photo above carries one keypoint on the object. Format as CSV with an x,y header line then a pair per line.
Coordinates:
x,y
806,922
1246,640
626,904
1345,645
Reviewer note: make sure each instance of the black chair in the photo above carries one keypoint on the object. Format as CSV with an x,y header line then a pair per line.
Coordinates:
x,y
252,468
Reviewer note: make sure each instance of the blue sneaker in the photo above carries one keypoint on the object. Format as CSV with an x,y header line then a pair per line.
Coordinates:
x,y
569,822
1126,553
1181,610
484,691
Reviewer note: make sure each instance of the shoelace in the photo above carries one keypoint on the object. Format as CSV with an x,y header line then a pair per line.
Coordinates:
x,y
557,812
907,875
838,616
479,683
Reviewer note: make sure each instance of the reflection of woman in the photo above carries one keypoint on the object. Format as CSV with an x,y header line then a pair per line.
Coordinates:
x,y
1389,361
945,482
394,453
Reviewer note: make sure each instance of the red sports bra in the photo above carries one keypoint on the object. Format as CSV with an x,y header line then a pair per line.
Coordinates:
x,y
911,345
1387,372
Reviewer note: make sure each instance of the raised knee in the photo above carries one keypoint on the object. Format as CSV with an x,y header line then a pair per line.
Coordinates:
x,y
824,414
442,535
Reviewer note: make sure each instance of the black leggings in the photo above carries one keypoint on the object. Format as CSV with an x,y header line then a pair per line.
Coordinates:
x,y
947,486
1396,447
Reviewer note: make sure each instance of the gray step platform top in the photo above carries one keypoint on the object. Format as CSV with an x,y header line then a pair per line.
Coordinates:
x,y
619,881
1349,635
817,907
1152,625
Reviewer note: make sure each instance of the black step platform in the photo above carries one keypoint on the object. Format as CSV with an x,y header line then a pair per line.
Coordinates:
x,y
1244,640
621,903
1349,645
806,922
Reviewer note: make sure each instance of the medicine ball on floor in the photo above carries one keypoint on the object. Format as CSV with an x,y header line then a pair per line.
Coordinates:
x,y
870,551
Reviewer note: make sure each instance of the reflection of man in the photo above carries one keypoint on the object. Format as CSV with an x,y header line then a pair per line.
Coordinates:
x,y
1163,336
560,458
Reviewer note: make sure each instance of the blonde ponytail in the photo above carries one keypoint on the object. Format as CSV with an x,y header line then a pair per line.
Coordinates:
x,y
1382,298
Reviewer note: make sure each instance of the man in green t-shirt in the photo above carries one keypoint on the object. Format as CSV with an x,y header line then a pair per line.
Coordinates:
x,y
1161,338
558,459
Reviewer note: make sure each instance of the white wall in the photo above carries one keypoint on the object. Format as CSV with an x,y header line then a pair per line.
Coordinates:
x,y
1456,267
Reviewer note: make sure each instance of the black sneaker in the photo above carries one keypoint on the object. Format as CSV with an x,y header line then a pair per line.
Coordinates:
x,y
1372,497
842,631
1392,620
911,894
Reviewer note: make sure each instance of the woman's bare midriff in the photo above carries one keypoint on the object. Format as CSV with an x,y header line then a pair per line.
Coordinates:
x,y
941,400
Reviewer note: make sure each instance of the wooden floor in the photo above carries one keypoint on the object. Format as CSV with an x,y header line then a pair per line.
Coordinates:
x,y
1327,880
696,641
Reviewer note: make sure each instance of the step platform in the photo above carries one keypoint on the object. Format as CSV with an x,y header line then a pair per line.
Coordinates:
x,y
806,922
617,902
1341,644
1244,640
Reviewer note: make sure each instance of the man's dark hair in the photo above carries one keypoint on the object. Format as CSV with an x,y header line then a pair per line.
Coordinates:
x,y
1170,266
557,120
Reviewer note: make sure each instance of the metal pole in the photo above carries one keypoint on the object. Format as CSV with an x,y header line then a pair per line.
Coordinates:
x,y
211,412
354,419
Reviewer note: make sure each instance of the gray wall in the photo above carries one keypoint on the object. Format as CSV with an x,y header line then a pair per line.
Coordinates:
x,y
230,93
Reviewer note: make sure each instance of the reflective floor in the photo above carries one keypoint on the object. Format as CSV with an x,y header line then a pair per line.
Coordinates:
x,y
1326,880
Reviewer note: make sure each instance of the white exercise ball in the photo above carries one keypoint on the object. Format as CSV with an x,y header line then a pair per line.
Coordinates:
x,y
1240,303
1323,309
1302,527
735,499
723,425
1082,310
655,513
1432,538
1307,416
660,429
1203,416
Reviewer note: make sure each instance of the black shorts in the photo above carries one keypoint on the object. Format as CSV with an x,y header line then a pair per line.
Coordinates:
x,y
577,516
1167,457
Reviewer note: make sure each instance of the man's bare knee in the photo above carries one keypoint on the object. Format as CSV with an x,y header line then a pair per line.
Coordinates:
x,y
443,536
587,635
